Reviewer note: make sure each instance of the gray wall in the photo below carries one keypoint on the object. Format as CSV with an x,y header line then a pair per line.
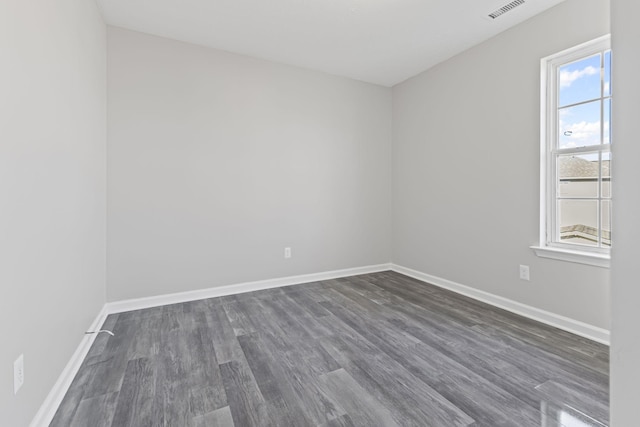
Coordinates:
x,y
52,182
466,168
625,269
216,162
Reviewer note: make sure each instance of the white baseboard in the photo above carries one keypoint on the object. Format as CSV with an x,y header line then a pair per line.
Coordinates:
x,y
57,393
48,409
565,323
154,301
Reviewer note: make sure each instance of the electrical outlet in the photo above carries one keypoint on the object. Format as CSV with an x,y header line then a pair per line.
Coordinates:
x,y
287,253
18,373
524,272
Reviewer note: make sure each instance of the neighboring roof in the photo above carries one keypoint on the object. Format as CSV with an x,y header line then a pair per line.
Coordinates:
x,y
578,167
580,231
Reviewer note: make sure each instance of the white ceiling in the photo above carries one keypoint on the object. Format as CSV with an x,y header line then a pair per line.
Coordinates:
x,y
377,41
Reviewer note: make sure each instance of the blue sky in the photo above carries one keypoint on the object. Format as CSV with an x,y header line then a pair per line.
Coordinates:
x,y
578,82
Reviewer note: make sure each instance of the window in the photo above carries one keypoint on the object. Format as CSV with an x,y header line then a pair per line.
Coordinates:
x,y
576,154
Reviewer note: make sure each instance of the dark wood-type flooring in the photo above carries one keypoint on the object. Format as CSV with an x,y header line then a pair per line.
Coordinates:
x,y
371,350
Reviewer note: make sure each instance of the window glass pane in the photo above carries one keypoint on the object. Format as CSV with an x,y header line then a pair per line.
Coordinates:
x,y
607,73
579,126
578,175
578,221
606,175
605,219
607,121
579,81
579,149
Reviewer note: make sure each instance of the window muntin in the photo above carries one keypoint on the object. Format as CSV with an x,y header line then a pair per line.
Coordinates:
x,y
579,81
577,149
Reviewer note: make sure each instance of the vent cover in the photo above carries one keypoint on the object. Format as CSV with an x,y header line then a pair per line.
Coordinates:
x,y
506,8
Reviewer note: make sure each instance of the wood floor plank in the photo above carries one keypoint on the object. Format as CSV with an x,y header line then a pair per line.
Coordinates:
x,y
459,338
342,421
594,376
223,336
398,345
297,370
219,418
371,350
206,391
301,315
67,410
554,391
96,411
560,415
302,298
265,323
237,318
549,338
282,404
172,398
292,326
246,402
135,400
506,384
390,381
360,405
145,338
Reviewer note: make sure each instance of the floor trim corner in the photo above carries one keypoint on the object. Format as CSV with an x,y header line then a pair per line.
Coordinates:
x,y
179,297
48,409
577,327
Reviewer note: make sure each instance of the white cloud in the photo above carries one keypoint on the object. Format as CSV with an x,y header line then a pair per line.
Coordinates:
x,y
568,77
582,133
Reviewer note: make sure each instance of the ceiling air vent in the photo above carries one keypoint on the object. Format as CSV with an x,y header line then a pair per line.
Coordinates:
x,y
506,8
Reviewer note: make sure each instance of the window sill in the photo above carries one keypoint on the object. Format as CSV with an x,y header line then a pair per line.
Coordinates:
x,y
597,260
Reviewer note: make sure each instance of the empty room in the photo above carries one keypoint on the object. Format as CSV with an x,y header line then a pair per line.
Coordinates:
x,y
319,213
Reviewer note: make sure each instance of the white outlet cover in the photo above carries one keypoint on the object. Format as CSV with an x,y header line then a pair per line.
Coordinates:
x,y
18,373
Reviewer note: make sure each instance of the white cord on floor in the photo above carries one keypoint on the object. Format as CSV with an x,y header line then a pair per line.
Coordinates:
x,y
101,330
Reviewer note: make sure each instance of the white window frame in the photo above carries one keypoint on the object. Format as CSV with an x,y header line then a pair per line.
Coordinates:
x,y
547,248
